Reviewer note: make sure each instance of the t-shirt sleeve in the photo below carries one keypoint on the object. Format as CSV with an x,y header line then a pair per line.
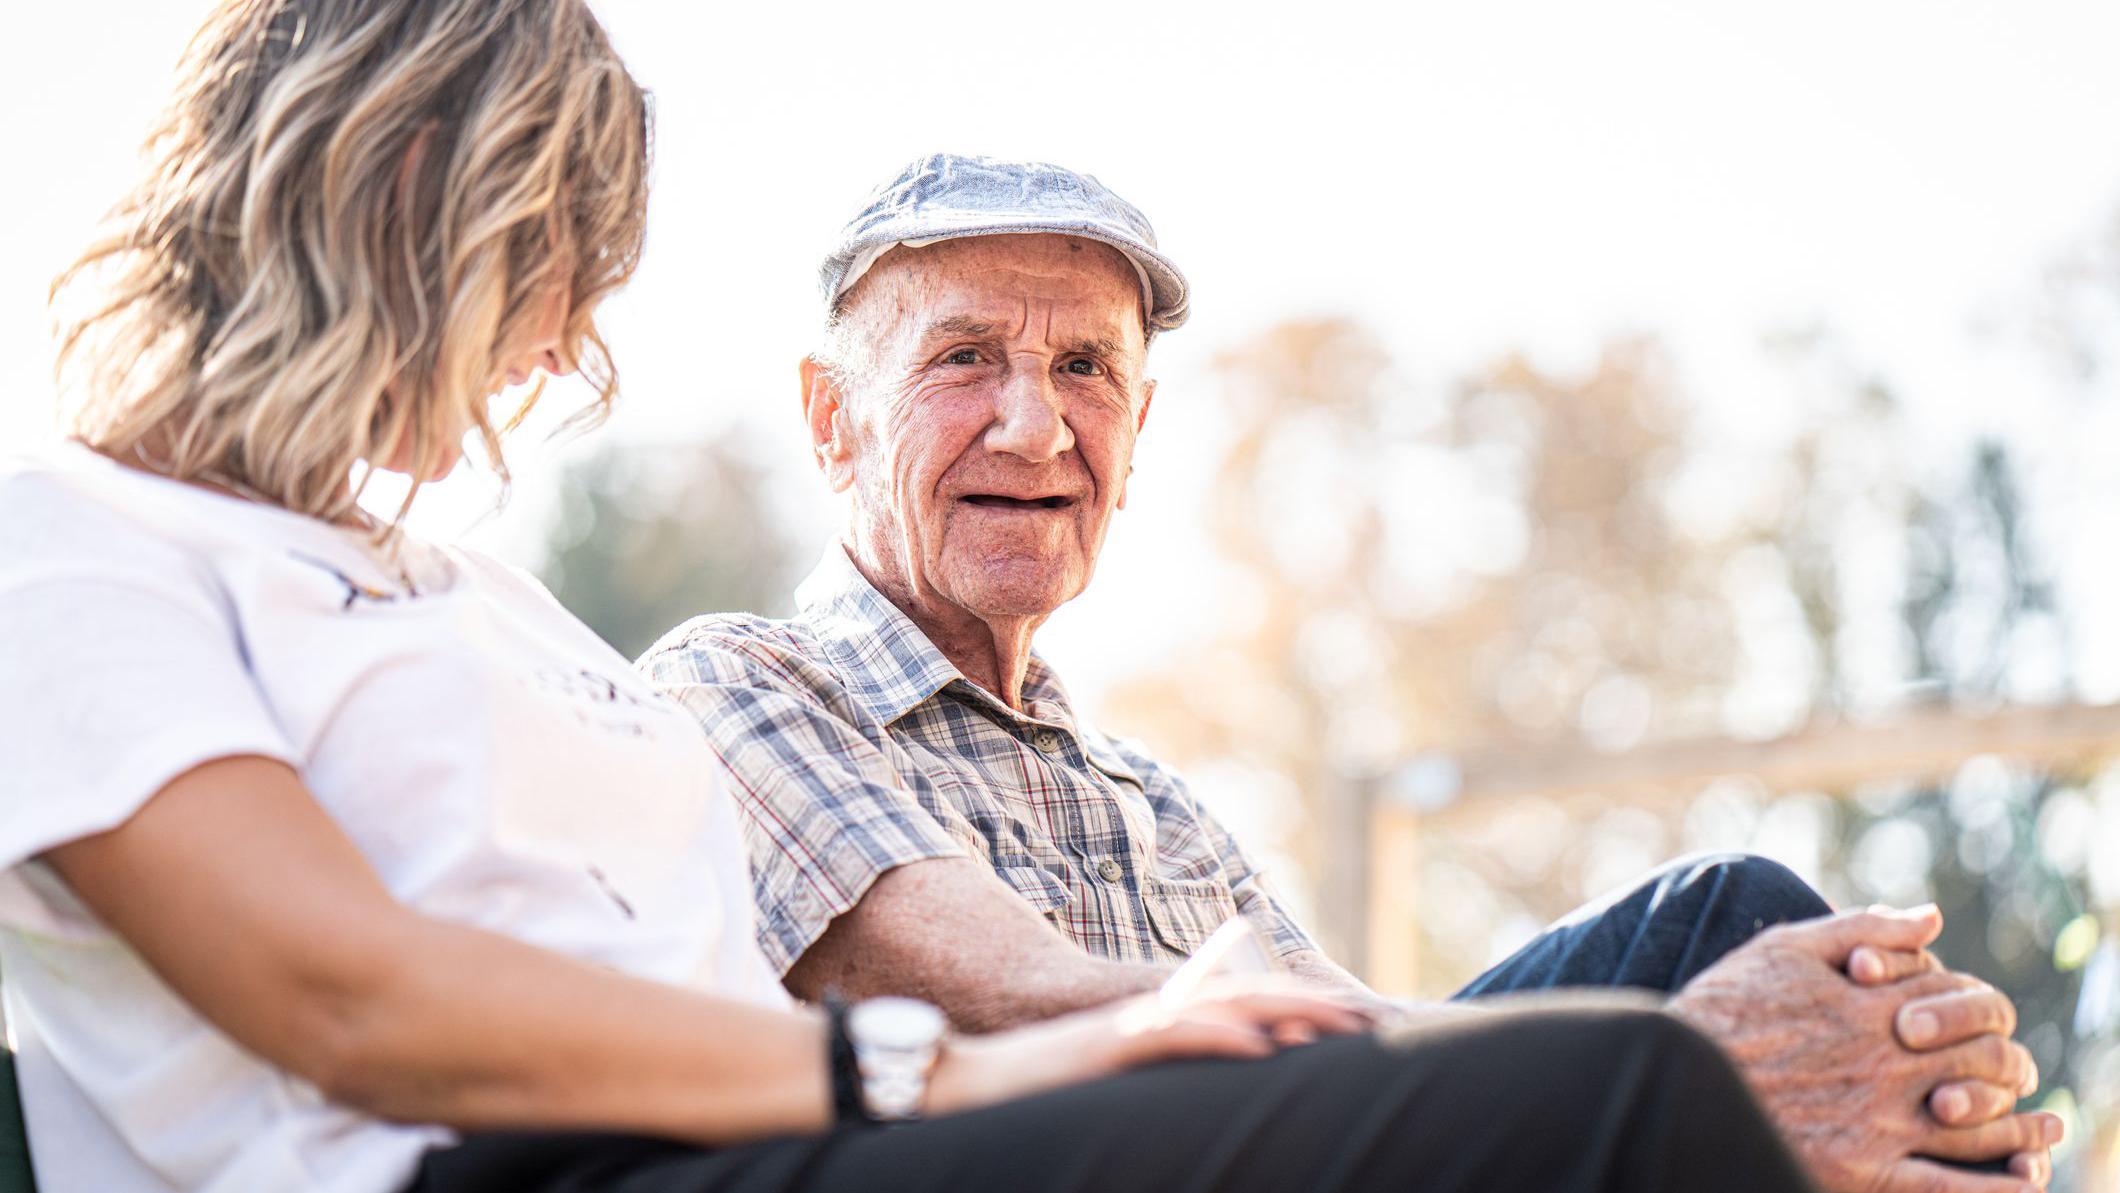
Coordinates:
x,y
120,669
830,803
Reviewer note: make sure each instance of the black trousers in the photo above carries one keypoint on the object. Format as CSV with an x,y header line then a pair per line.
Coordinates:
x,y
1555,1100
1570,1093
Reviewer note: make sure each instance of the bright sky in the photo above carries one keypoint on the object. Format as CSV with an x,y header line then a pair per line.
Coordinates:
x,y
1463,177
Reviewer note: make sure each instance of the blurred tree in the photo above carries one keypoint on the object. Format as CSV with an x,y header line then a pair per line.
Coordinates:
x,y
1495,566
2017,910
1502,568
646,537
2079,320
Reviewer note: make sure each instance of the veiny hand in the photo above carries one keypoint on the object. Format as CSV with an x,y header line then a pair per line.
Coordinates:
x,y
1231,1018
1822,1054
1962,1008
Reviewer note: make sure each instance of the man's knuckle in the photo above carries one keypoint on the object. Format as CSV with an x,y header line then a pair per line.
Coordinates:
x,y
1868,921
1997,1053
2025,1068
1925,986
2005,1013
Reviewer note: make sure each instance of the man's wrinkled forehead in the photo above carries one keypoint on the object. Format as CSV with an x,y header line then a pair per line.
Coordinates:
x,y
989,286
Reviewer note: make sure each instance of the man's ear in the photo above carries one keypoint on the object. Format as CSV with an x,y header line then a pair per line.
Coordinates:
x,y
824,409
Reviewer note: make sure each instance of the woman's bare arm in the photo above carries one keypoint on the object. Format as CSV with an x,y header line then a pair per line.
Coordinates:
x,y
239,890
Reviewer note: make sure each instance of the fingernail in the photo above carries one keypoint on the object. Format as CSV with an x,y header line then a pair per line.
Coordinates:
x,y
1920,1027
1953,1104
2053,1131
1865,965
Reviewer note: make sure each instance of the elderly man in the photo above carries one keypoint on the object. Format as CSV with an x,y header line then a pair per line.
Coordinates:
x,y
931,816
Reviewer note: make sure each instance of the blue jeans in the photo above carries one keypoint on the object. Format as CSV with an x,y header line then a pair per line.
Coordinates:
x,y
1682,919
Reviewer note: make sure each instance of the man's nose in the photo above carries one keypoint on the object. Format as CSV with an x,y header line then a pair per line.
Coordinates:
x,y
1028,418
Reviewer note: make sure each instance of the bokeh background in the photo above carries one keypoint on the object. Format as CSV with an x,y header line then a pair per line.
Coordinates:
x,y
1605,430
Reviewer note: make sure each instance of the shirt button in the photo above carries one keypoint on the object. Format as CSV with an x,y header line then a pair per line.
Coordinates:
x,y
1046,740
1109,870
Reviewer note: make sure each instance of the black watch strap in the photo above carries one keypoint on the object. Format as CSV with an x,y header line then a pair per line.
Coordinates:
x,y
849,1104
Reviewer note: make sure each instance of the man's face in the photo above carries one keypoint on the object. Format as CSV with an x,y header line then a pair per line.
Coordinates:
x,y
991,437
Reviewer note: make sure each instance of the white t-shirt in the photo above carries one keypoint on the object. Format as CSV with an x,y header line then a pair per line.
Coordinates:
x,y
496,763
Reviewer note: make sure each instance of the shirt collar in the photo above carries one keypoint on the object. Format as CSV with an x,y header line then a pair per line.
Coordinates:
x,y
890,666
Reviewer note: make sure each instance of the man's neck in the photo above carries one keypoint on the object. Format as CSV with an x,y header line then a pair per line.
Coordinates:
x,y
994,653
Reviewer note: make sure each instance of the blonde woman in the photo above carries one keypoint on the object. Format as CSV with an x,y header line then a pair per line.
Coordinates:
x,y
339,860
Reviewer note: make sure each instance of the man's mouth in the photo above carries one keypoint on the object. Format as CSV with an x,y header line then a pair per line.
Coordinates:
x,y
1000,502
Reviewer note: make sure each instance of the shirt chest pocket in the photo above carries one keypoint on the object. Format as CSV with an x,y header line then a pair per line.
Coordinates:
x,y
1185,914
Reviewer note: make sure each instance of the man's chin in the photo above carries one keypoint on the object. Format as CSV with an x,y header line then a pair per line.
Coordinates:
x,y
1003,589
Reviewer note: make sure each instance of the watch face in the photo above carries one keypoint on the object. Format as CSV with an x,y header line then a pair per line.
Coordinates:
x,y
895,1023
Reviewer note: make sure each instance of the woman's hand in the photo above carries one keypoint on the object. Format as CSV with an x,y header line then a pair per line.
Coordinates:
x,y
1247,1018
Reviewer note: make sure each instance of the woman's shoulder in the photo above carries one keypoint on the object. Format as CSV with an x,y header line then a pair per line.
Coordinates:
x,y
62,498
64,506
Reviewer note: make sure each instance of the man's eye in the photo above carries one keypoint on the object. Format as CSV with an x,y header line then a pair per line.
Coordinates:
x,y
1083,368
962,356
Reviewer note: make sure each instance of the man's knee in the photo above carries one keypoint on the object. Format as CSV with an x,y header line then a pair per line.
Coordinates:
x,y
1747,885
1764,886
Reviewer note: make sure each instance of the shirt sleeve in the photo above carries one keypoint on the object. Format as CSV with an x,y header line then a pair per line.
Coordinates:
x,y
121,670
831,803
1249,884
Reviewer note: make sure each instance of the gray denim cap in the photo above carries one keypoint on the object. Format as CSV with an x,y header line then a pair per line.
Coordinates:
x,y
946,195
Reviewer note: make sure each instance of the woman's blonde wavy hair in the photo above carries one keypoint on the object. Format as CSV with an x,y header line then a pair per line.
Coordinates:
x,y
354,208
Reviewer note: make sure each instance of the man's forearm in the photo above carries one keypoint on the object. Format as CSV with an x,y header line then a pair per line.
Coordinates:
x,y
952,933
1042,989
949,931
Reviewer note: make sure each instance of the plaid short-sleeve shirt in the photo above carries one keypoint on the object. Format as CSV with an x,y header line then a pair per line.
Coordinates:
x,y
854,746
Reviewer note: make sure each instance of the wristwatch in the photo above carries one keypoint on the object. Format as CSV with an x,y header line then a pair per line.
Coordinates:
x,y
884,1049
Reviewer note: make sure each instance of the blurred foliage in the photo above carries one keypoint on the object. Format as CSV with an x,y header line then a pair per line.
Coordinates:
x,y
1487,566
1513,565
2079,318
647,537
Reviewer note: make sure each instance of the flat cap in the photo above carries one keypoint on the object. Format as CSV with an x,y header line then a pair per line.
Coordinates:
x,y
945,196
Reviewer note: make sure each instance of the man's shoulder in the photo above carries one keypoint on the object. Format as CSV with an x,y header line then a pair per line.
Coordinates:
x,y
738,648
